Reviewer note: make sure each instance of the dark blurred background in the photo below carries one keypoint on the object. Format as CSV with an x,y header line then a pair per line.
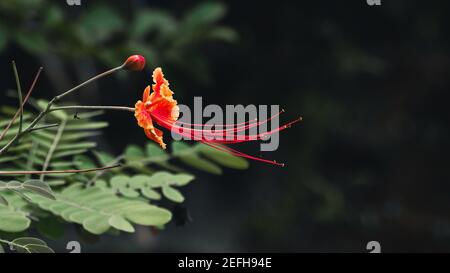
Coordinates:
x,y
368,161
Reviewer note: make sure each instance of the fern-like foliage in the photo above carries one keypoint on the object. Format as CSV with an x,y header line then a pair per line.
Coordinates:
x,y
49,149
98,210
105,201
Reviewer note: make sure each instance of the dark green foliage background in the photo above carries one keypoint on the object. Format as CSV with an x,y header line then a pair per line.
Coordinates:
x,y
367,163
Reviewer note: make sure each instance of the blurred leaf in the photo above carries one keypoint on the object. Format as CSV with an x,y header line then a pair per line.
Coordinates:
x,y
98,24
182,179
13,221
184,153
121,223
205,13
93,208
84,162
105,159
31,245
222,33
172,194
223,158
128,192
39,187
134,152
150,193
138,181
54,17
152,20
152,216
119,181
3,201
32,41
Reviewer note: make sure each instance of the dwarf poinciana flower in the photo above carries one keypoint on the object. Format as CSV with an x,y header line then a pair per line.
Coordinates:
x,y
161,107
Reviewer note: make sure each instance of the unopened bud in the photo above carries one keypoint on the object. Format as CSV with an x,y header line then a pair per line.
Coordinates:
x,y
134,63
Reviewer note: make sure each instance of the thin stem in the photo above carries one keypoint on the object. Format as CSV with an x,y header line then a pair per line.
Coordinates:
x,y
46,126
53,148
19,93
77,107
99,174
24,101
57,98
47,109
101,75
31,155
9,243
59,172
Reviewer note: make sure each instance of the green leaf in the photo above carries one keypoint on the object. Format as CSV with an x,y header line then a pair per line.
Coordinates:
x,y
182,179
32,42
81,145
222,33
13,221
96,224
205,13
39,187
201,164
186,154
119,181
39,249
120,223
155,153
31,245
151,194
152,20
83,125
28,240
104,158
84,162
172,194
138,181
152,216
3,201
223,158
93,208
134,152
128,192
98,24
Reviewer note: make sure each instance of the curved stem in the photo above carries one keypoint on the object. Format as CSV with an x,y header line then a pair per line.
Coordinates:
x,y
9,243
47,109
24,101
120,108
58,172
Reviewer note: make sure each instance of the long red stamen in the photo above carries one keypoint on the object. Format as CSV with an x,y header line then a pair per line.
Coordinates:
x,y
237,127
221,136
210,137
200,134
241,154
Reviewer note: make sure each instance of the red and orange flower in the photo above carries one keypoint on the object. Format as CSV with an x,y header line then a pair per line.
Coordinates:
x,y
161,107
159,103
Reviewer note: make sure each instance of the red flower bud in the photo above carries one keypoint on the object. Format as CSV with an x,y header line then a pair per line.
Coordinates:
x,y
134,63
